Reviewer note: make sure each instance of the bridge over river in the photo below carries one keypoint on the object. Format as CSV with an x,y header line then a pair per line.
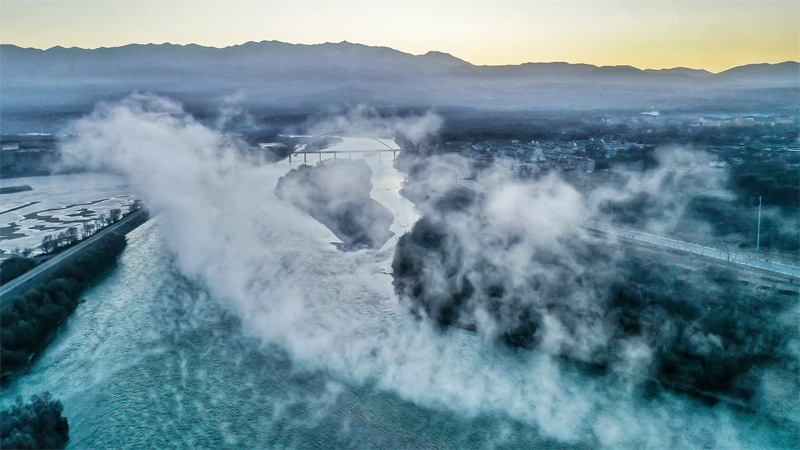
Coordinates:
x,y
364,146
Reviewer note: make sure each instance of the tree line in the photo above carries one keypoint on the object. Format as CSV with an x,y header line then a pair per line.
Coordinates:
x,y
21,261
73,235
28,321
15,266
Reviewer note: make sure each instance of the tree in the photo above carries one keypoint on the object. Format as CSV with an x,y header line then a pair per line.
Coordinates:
x,y
37,424
29,320
13,267
61,239
49,244
71,235
87,229
115,214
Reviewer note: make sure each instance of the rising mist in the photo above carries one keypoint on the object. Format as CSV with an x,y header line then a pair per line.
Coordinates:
x,y
530,277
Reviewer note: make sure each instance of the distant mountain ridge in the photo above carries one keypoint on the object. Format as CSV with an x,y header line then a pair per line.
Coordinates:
x,y
276,73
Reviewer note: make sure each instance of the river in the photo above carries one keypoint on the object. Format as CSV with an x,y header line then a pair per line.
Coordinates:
x,y
268,337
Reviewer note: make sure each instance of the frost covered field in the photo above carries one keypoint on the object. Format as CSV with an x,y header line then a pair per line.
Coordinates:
x,y
56,203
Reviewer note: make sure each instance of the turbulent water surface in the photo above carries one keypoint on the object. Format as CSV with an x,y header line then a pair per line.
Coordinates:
x,y
233,321
149,359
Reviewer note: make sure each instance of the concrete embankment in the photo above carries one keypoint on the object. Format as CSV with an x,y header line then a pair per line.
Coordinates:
x,y
40,273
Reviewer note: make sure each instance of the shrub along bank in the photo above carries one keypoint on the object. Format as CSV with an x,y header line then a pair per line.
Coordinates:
x,y
37,424
15,266
30,320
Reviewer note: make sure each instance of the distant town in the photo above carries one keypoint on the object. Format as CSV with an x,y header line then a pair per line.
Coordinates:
x,y
625,143
519,149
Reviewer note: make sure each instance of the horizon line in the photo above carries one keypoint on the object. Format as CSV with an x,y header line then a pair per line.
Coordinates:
x,y
393,49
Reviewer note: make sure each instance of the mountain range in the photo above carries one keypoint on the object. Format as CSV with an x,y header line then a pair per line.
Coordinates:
x,y
277,74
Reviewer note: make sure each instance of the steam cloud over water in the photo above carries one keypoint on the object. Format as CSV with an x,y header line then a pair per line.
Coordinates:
x,y
337,194
274,267
516,266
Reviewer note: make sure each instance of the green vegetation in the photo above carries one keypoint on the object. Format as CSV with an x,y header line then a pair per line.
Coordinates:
x,y
38,424
14,267
708,331
777,184
350,213
29,320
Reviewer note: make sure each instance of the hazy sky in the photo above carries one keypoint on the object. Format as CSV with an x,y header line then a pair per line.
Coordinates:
x,y
712,35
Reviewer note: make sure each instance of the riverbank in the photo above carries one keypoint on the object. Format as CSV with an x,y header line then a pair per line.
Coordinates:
x,y
43,271
30,320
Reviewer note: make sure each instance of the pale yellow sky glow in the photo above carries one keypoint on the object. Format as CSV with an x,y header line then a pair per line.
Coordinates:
x,y
712,35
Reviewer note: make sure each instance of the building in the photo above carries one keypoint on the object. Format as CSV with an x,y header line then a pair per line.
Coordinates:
x,y
581,164
585,164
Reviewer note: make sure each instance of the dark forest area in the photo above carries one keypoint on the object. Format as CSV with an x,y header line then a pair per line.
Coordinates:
x,y
38,424
709,330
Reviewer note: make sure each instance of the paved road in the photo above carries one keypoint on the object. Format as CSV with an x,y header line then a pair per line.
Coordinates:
x,y
736,258
40,272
